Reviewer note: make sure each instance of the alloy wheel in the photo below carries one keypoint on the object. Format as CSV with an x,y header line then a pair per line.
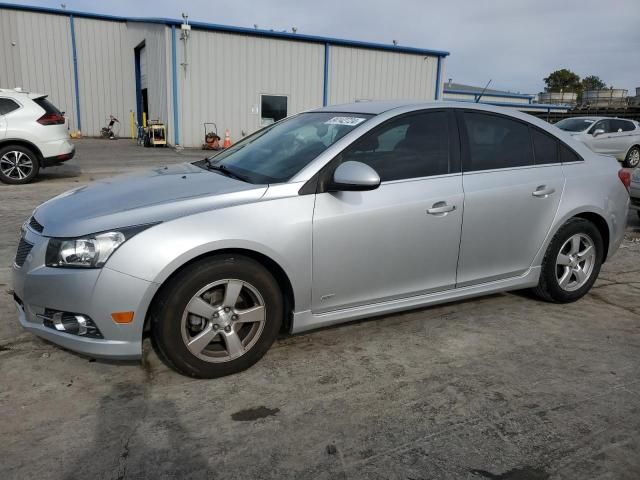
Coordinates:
x,y
16,165
223,320
634,158
575,262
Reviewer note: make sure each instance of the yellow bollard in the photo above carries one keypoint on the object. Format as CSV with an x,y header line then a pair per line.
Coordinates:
x,y
132,122
144,119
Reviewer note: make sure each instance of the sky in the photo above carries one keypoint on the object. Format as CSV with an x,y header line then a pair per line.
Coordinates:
x,y
513,43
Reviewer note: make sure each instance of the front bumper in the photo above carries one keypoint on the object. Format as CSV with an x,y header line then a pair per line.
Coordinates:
x,y
95,293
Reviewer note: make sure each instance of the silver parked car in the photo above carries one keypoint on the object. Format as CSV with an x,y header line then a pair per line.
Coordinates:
x,y
609,136
331,215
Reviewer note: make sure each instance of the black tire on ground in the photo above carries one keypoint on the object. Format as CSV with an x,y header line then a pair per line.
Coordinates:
x,y
548,288
8,153
632,160
172,299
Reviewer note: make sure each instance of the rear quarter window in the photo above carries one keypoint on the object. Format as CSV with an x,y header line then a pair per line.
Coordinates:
x,y
7,106
568,155
47,106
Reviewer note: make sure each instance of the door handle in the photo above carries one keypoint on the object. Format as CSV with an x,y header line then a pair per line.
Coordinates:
x,y
543,192
441,208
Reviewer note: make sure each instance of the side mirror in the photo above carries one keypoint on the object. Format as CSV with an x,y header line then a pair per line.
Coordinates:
x,y
598,131
355,177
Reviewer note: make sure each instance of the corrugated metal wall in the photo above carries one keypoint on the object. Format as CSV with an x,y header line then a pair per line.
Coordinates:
x,y
41,59
359,74
105,73
228,72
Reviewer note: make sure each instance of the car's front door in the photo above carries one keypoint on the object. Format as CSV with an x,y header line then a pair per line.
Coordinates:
x,y
402,238
602,142
511,195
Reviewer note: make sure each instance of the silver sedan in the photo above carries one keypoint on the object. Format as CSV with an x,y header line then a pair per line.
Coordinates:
x,y
610,136
328,216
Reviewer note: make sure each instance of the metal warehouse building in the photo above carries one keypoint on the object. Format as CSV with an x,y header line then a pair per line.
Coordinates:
x,y
93,66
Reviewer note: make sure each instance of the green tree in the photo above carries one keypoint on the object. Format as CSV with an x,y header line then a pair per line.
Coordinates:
x,y
564,80
592,82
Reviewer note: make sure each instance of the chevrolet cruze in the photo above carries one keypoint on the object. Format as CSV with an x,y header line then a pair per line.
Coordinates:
x,y
331,215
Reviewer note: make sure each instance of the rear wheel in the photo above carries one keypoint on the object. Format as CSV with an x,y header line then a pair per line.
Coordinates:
x,y
632,160
572,262
18,164
217,317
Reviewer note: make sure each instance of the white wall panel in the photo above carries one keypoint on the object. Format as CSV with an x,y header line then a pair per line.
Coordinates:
x,y
362,74
41,59
105,73
228,72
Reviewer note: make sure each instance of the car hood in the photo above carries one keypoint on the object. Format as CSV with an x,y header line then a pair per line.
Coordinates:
x,y
150,196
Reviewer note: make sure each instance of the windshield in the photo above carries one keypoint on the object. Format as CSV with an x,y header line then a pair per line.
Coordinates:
x,y
276,153
574,124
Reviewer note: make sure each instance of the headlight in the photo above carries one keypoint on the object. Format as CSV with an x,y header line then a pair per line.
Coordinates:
x,y
91,251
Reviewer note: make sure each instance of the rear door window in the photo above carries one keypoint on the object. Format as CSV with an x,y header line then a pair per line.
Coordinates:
x,y
7,106
622,125
494,142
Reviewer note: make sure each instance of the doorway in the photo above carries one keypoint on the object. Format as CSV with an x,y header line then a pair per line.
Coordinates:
x,y
142,97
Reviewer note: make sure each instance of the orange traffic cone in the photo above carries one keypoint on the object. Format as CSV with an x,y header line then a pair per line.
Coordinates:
x,y
227,139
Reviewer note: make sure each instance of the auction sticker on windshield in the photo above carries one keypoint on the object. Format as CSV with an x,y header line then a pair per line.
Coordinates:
x,y
351,121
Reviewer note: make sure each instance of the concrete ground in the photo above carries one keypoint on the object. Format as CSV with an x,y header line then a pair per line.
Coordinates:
x,y
502,387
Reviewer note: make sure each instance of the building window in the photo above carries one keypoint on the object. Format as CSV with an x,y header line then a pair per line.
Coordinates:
x,y
272,108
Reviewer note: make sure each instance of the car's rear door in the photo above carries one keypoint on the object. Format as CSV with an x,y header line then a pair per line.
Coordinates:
x,y
511,195
402,238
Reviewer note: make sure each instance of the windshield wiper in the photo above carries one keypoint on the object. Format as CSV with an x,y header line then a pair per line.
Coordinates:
x,y
225,171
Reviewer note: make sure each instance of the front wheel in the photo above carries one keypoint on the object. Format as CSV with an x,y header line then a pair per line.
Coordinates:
x,y
217,317
572,262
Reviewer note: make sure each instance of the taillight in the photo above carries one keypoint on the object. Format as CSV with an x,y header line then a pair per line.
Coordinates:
x,y
51,119
625,177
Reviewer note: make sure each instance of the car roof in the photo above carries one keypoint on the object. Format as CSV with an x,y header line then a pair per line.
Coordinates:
x,y
16,92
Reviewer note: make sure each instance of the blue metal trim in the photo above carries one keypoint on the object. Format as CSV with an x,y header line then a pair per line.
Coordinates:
x,y
232,29
325,85
516,105
174,73
136,59
489,94
75,71
437,95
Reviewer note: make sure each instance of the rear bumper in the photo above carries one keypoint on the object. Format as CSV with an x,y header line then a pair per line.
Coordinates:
x,y
59,158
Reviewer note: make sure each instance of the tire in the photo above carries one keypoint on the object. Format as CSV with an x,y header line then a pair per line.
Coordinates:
x,y
632,160
173,326
638,213
549,287
27,167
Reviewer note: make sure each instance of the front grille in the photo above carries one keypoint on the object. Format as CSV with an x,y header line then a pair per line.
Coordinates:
x,y
33,223
24,248
635,201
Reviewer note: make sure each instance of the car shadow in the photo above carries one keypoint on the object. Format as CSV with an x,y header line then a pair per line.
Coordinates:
x,y
137,435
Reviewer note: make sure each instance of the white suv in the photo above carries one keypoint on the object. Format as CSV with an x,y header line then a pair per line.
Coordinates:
x,y
33,135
